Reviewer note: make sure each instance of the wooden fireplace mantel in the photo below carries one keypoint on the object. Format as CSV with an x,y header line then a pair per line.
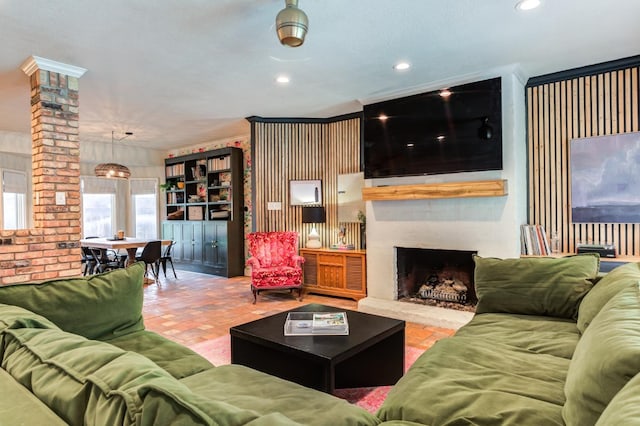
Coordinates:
x,y
480,188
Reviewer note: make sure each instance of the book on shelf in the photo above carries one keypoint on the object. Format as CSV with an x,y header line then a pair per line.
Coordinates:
x,y
174,170
534,241
316,323
219,163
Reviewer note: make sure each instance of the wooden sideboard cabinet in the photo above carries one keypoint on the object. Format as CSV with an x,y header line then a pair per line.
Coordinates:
x,y
340,273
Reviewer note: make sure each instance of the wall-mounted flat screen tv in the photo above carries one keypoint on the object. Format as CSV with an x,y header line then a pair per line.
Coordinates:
x,y
457,129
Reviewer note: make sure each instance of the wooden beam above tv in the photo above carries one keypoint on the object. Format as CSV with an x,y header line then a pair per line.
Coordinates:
x,y
481,188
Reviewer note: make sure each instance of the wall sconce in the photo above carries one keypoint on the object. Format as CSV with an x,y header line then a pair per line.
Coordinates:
x,y
313,214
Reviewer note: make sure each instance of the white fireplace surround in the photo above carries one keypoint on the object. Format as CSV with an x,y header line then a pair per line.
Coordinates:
x,y
488,225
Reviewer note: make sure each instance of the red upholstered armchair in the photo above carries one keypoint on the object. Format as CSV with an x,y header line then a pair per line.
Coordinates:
x,y
274,261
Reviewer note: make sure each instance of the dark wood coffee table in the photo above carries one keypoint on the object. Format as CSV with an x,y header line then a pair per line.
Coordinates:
x,y
371,355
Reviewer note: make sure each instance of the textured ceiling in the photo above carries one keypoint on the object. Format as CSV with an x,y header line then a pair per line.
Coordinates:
x,y
182,72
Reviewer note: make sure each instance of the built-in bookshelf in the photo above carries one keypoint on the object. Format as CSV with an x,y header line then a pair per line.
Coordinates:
x,y
204,210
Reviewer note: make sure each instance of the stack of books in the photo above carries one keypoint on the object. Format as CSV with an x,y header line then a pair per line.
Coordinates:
x,y
533,240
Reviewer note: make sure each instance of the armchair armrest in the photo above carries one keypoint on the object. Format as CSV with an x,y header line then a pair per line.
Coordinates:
x,y
253,262
297,260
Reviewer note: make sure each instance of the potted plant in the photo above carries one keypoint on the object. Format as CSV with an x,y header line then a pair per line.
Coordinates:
x,y
168,185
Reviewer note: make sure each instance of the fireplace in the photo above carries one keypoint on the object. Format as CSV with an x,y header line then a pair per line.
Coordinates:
x,y
435,277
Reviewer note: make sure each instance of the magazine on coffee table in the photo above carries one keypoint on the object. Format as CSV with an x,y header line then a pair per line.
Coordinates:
x,y
316,323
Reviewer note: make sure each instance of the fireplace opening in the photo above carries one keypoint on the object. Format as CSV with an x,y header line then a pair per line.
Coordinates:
x,y
436,277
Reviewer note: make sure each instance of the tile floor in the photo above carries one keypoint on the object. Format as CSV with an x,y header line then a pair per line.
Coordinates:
x,y
198,307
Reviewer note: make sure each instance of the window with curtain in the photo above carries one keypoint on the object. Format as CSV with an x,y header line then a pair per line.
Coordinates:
x,y
98,206
144,197
14,200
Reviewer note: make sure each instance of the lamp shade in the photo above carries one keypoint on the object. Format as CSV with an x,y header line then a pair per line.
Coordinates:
x,y
313,214
112,170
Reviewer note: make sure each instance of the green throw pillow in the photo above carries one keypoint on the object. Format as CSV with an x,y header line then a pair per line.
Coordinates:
x,y
534,286
17,317
608,286
624,408
101,306
606,358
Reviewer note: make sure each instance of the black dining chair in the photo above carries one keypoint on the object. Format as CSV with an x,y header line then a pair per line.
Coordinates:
x,y
166,257
104,262
151,254
88,261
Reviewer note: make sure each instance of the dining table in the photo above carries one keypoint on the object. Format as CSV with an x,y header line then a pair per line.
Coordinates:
x,y
130,244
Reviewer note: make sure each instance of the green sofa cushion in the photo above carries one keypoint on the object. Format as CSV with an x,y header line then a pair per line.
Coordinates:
x,y
91,382
246,388
609,285
474,381
534,286
624,408
176,359
543,335
16,317
22,407
606,358
98,307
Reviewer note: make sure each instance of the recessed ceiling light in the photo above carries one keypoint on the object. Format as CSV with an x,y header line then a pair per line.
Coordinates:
x,y
445,93
282,79
401,66
527,4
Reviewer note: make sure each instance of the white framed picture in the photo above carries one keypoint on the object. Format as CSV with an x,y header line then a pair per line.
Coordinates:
x,y
305,192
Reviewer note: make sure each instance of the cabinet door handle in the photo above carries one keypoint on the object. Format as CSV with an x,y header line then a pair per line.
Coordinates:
x,y
214,244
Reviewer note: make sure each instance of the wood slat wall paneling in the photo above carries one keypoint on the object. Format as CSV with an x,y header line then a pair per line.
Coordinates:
x,y
295,149
577,106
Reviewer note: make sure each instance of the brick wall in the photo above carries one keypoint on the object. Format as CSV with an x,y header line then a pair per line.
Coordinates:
x,y
51,248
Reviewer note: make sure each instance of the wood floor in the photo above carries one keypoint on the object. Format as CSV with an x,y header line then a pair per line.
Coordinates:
x,y
198,307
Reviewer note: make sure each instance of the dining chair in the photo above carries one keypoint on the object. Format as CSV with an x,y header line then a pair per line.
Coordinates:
x,y
88,261
151,254
103,261
166,257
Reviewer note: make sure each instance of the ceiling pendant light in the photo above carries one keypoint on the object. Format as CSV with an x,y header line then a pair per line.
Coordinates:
x,y
292,24
113,170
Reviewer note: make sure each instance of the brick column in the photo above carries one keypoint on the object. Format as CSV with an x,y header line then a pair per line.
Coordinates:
x,y
51,248
55,153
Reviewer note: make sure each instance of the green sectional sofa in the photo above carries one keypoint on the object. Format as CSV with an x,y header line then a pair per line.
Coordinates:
x,y
550,344
75,351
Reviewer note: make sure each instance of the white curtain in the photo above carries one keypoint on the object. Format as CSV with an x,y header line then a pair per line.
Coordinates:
x,y
96,185
14,182
143,186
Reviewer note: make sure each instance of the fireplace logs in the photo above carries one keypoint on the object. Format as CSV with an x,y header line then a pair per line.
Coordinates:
x,y
441,278
451,290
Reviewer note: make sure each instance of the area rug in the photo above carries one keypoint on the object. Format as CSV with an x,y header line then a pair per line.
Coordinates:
x,y
218,352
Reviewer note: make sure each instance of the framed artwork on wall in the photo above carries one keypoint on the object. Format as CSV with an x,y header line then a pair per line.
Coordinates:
x,y
605,179
305,192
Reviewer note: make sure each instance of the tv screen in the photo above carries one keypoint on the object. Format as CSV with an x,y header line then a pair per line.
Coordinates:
x,y
458,129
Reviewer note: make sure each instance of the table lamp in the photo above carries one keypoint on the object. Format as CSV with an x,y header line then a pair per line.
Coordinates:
x,y
313,214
